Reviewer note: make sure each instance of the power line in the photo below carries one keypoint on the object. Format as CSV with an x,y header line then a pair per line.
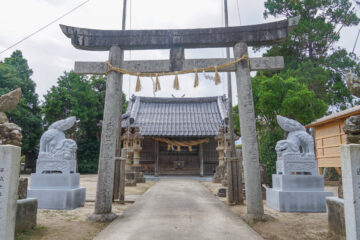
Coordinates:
x,y
42,28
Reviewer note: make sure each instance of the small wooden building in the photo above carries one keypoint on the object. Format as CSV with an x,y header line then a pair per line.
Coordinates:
x,y
178,133
329,136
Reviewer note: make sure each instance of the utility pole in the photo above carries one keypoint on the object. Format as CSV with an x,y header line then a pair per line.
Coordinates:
x,y
231,118
233,165
124,15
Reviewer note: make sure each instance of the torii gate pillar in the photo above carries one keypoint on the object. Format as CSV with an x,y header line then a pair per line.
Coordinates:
x,y
254,203
110,126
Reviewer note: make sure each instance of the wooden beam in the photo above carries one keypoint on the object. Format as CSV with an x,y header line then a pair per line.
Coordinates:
x,y
156,171
151,66
253,35
201,159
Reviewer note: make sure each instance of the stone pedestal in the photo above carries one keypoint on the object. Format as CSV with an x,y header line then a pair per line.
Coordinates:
x,y
26,213
139,175
130,180
350,158
219,175
297,193
57,191
9,180
336,218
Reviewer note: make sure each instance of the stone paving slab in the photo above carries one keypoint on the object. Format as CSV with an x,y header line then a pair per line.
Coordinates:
x,y
178,209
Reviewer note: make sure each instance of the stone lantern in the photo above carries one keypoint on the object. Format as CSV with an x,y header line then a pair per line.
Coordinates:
x,y
227,142
220,148
127,139
137,146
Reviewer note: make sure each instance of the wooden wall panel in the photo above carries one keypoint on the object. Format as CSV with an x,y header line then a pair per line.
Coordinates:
x,y
328,139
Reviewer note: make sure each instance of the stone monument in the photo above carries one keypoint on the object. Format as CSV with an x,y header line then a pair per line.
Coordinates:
x,y
10,153
56,183
297,187
9,180
351,181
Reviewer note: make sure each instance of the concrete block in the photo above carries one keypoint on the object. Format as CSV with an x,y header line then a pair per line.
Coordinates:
x,y
336,217
26,214
295,201
60,199
9,180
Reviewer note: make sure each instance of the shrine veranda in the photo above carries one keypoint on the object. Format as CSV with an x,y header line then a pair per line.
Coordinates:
x,y
116,41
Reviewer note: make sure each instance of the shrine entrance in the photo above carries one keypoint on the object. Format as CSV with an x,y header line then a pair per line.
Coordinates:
x,y
182,162
239,38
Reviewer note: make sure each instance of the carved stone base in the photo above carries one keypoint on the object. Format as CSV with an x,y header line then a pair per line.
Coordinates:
x,y
50,163
295,162
107,217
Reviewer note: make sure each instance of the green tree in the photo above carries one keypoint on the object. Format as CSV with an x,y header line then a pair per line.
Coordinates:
x,y
280,96
15,73
83,97
287,97
310,41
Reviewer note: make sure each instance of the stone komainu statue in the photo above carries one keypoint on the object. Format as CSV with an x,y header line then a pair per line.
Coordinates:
x,y
57,153
296,153
298,140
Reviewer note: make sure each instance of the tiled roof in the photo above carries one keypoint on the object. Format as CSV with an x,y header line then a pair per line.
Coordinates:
x,y
335,116
183,117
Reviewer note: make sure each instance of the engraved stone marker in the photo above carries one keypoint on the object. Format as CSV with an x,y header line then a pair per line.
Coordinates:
x,y
9,180
351,183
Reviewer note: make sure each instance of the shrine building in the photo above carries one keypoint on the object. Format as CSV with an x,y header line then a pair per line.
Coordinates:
x,y
175,136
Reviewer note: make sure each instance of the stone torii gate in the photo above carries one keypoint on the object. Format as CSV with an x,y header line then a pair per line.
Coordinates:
x,y
116,41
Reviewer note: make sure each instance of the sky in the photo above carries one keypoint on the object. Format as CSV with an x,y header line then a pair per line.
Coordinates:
x,y
50,53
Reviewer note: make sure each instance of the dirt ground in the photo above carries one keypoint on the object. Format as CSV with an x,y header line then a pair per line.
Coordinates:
x,y
294,226
72,224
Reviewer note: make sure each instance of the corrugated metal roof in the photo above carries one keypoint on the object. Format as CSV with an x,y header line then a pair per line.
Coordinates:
x,y
335,116
183,117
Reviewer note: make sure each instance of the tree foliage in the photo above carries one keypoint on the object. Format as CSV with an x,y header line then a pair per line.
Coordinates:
x,y
15,73
310,41
83,97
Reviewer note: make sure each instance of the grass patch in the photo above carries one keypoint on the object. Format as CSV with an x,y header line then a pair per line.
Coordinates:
x,y
29,234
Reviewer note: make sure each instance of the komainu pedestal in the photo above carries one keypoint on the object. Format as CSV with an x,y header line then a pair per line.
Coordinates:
x,y
56,184
297,187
